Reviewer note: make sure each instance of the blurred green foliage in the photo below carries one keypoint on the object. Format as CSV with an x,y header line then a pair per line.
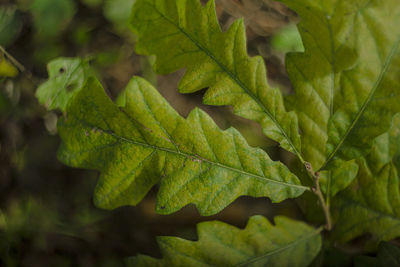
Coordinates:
x,y
10,24
118,12
47,217
287,40
22,220
52,17
46,214
55,25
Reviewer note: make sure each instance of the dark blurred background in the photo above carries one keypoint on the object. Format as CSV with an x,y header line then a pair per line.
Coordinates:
x,y
47,217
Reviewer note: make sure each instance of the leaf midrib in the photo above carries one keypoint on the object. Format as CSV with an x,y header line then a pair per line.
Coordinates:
x,y
193,156
235,79
279,250
376,85
188,156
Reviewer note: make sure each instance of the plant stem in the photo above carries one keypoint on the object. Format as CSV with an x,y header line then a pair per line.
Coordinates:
x,y
12,59
318,192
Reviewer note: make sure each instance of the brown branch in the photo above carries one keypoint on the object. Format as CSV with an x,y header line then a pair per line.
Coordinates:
x,y
20,67
318,192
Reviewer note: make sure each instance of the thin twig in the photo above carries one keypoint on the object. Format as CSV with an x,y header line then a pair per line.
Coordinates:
x,y
12,59
318,192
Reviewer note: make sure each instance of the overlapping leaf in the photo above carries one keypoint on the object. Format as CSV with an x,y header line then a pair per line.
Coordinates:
x,y
182,33
347,80
146,140
371,205
388,255
66,78
337,179
288,243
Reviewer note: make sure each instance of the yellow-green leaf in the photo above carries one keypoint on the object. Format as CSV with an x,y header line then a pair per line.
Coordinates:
x,y
347,80
183,34
135,146
7,69
371,205
287,243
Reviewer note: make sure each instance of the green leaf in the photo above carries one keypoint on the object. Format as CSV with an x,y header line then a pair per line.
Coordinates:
x,y
66,78
341,176
183,34
10,24
287,243
388,255
347,79
371,205
135,146
7,69
287,40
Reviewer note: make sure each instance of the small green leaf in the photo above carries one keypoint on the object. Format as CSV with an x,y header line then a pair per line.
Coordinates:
x,y
183,34
136,145
66,78
7,69
287,40
341,176
287,243
372,203
10,24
